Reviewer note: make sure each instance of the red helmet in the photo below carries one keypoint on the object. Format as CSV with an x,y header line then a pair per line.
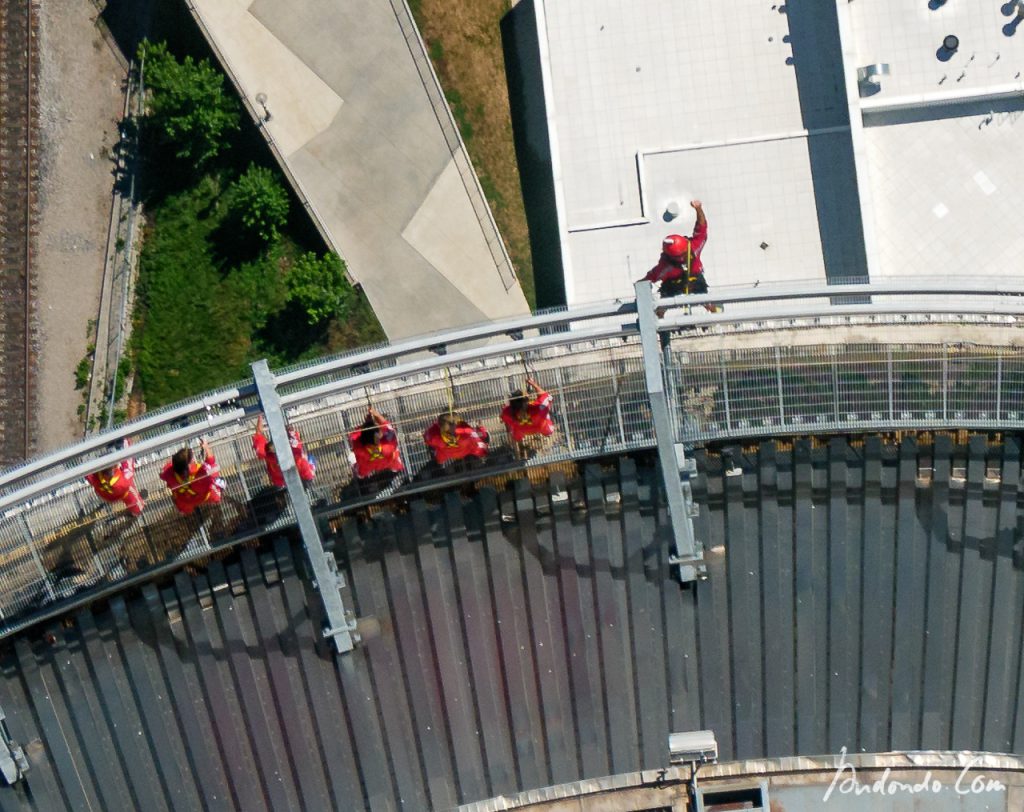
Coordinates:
x,y
675,246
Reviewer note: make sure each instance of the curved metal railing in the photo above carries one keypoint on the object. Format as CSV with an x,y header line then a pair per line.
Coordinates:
x,y
780,359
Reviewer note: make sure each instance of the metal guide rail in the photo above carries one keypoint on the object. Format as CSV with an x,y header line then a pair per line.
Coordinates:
x,y
60,546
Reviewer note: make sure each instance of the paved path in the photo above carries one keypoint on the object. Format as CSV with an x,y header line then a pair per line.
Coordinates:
x,y
349,93
81,103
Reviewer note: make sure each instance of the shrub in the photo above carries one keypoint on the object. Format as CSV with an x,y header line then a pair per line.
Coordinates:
x,y
319,287
259,202
187,103
83,372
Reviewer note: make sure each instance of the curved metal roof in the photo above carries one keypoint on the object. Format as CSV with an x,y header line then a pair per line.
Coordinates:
x,y
861,594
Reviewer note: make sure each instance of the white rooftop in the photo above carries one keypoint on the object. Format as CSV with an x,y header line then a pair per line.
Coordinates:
x,y
755,108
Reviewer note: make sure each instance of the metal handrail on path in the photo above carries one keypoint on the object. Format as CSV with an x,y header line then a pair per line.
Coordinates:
x,y
726,375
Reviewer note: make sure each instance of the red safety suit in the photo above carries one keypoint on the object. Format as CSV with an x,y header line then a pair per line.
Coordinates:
x,y
673,272
118,487
371,458
535,419
468,442
199,487
306,469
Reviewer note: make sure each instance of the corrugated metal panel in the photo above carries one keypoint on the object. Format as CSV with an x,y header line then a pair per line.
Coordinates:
x,y
535,636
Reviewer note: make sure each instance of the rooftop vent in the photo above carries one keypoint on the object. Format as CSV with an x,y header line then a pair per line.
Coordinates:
x,y
869,78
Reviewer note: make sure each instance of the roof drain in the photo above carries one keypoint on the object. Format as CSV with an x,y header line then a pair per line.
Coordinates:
x,y
721,799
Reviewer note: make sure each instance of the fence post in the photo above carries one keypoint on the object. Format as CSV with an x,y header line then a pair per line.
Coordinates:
x,y
999,384
835,386
689,552
725,392
778,384
889,370
341,624
945,381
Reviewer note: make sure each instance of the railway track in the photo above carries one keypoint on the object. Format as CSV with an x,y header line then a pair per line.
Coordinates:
x,y
19,20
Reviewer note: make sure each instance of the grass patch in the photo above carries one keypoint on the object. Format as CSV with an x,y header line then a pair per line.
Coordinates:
x,y
213,295
493,193
461,114
204,316
195,325
464,42
84,370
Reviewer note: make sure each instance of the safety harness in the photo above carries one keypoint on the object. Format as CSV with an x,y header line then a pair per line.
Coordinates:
x,y
107,485
185,485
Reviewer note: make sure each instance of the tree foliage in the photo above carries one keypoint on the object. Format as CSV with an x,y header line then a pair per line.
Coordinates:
x,y
259,202
319,287
188,103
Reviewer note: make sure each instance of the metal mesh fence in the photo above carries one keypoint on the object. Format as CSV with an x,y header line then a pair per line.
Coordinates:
x,y
774,390
66,544
60,545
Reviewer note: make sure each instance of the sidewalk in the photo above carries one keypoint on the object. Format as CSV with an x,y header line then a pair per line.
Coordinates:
x,y
384,177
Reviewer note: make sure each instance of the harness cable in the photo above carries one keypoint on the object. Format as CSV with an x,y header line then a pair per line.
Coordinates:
x,y
518,445
451,392
526,366
686,288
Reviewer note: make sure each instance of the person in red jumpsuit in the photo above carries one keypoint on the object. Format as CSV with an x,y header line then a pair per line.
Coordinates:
x,y
375,445
193,483
525,417
680,269
305,464
452,438
117,484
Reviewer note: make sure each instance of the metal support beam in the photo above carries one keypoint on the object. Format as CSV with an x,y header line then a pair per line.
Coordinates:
x,y
13,764
689,555
341,623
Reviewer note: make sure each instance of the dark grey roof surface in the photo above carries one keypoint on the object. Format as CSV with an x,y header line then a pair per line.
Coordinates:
x,y
847,605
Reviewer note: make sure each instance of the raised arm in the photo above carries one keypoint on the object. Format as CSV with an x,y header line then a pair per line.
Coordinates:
x,y
699,208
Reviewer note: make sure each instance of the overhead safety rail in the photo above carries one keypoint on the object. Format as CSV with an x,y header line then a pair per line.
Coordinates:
x,y
717,376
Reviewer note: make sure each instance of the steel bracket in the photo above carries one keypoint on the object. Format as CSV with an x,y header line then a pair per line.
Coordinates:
x,y
327,580
13,763
676,469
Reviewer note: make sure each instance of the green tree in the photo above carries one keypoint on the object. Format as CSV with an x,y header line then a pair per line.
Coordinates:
x,y
187,103
259,201
319,287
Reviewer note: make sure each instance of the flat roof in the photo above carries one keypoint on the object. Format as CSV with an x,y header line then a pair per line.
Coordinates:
x,y
943,135
756,109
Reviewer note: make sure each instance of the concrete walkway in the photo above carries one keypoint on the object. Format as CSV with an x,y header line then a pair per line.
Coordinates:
x,y
359,125
81,104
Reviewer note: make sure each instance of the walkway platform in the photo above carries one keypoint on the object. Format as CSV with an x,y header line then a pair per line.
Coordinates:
x,y
361,129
